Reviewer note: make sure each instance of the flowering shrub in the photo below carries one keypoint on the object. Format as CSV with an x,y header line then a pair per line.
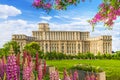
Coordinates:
x,y
47,5
109,10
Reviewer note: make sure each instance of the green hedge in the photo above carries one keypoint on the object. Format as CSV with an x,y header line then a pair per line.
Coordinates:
x,y
88,68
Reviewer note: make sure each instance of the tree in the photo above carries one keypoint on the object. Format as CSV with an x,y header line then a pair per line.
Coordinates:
x,y
32,48
14,44
108,11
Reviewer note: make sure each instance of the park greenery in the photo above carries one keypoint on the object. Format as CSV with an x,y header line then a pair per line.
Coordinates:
x,y
87,68
111,67
82,61
6,48
33,47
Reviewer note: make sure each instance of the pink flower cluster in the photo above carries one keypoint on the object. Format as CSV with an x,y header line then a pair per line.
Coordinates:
x,y
42,4
54,4
107,14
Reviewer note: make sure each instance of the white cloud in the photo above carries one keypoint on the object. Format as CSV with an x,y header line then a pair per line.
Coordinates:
x,y
46,17
57,16
6,11
61,16
7,28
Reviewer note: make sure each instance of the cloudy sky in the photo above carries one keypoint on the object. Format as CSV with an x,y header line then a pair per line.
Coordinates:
x,y
20,17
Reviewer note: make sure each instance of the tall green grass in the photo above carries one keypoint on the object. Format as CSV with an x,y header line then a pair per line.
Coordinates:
x,y
111,67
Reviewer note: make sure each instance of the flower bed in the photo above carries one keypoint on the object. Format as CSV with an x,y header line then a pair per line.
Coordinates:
x,y
86,72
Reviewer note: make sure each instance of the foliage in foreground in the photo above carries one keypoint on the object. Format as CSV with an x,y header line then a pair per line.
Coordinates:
x,y
13,69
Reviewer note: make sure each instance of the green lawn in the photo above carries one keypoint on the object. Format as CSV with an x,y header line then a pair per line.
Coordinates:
x,y
111,67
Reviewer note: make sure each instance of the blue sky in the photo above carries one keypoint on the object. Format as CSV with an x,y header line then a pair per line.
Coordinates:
x,y
20,17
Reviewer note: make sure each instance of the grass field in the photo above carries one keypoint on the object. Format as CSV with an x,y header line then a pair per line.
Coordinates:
x,y
111,67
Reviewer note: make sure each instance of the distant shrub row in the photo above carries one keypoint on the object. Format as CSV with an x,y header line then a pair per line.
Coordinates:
x,y
88,55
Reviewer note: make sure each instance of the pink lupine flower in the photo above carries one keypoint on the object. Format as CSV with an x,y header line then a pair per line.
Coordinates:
x,y
64,74
87,77
1,69
92,77
56,75
75,77
71,76
40,73
18,59
12,68
67,78
24,57
52,75
27,70
36,61
44,69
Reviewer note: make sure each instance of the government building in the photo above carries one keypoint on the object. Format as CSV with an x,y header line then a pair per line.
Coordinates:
x,y
68,42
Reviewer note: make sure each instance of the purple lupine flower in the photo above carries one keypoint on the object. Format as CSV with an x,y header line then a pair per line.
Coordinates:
x,y
92,77
87,77
27,70
40,73
56,75
12,68
71,76
1,69
32,77
52,75
65,75
75,77
36,61
44,68
67,78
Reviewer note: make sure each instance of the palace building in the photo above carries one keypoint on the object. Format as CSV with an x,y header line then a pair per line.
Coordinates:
x,y
68,42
